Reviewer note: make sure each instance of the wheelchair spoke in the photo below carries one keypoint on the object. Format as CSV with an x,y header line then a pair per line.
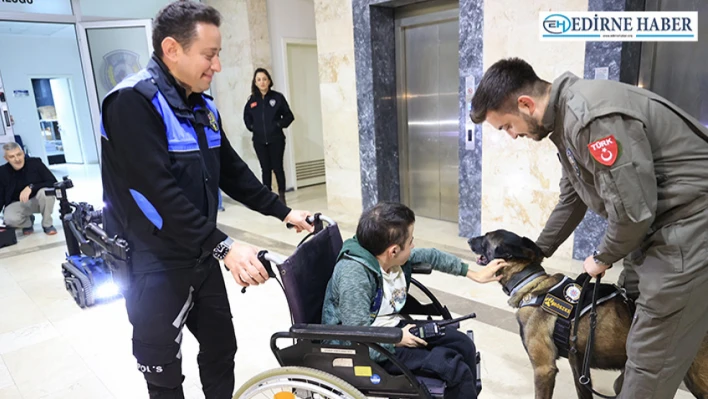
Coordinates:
x,y
294,387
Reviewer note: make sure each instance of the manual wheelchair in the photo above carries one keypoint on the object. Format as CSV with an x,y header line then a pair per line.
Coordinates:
x,y
312,369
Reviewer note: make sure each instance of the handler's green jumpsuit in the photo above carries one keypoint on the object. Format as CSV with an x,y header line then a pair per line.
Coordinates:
x,y
640,162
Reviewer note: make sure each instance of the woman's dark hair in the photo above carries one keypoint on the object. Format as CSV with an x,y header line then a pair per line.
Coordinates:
x,y
507,79
254,89
383,225
179,21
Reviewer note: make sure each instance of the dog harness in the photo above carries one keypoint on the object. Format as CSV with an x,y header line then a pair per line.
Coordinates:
x,y
562,300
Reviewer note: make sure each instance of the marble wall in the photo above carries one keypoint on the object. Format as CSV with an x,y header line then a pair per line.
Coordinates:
x,y
520,177
335,47
245,46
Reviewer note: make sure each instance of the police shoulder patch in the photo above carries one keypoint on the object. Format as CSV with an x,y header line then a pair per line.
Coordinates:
x,y
605,151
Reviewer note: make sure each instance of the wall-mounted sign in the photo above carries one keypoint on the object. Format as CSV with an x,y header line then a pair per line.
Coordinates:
x,y
20,93
62,7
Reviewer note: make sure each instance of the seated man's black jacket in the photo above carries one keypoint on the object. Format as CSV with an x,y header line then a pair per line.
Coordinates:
x,y
35,172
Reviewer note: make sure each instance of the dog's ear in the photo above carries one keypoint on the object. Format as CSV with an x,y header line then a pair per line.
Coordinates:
x,y
537,252
525,249
509,252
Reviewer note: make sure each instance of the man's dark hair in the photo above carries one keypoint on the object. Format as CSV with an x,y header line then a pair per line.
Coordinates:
x,y
383,225
502,84
179,21
254,89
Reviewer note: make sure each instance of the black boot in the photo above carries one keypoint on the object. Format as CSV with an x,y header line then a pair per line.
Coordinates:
x,y
281,193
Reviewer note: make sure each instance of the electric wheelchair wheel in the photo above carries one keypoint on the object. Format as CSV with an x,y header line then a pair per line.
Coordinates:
x,y
297,383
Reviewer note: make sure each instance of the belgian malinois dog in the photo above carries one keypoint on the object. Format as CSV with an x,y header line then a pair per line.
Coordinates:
x,y
614,318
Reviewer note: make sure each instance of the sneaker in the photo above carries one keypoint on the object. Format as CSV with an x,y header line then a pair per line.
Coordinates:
x,y
27,230
50,230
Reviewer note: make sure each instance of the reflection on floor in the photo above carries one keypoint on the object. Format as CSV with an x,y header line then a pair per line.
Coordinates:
x,y
49,348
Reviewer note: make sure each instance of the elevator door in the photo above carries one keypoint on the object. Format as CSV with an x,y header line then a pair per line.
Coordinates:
x,y
428,91
677,71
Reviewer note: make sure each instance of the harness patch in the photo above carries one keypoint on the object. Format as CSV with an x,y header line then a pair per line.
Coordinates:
x,y
557,306
571,293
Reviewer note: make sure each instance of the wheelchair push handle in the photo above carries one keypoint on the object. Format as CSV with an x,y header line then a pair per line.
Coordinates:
x,y
316,221
266,258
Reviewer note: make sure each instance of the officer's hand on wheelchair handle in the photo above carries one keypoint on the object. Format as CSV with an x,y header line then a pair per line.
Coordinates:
x,y
242,261
488,273
299,220
409,340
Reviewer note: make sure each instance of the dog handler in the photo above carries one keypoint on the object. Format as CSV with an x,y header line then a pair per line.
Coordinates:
x,y
641,162
165,156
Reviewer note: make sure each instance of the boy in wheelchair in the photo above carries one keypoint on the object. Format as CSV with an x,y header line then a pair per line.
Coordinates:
x,y
370,285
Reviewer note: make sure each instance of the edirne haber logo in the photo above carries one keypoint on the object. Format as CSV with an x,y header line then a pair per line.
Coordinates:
x,y
619,26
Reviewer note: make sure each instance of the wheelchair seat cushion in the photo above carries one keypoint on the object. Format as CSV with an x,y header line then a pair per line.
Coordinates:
x,y
435,387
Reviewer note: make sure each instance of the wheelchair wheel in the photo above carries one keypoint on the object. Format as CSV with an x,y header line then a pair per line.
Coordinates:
x,y
297,383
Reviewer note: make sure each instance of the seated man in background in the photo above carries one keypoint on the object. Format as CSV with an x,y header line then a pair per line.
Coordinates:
x,y
369,287
22,183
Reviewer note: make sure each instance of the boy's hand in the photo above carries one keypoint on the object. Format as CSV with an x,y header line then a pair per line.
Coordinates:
x,y
488,273
409,340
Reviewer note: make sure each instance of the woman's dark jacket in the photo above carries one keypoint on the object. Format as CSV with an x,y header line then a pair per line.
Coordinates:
x,y
267,116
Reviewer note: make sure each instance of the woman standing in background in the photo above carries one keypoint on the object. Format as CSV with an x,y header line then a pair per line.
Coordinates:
x,y
266,114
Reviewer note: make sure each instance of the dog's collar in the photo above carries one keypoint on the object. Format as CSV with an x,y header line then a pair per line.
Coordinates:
x,y
520,279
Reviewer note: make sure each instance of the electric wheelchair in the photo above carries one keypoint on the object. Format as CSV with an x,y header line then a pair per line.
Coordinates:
x,y
312,369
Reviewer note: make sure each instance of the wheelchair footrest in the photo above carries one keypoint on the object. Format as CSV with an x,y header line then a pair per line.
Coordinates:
x,y
435,387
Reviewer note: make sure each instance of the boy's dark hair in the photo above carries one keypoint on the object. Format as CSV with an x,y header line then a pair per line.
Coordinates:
x,y
383,225
502,84
179,21
254,89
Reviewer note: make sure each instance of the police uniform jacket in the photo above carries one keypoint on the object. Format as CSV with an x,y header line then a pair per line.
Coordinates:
x,y
164,158
630,155
267,116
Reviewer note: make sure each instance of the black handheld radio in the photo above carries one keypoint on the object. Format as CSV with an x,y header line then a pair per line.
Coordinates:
x,y
437,328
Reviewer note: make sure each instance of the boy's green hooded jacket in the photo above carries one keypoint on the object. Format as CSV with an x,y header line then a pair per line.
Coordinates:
x,y
354,292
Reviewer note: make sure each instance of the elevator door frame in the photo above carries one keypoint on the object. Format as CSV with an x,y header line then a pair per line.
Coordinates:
x,y
405,20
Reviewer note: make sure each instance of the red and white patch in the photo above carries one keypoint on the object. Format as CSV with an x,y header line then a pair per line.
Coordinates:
x,y
253,104
605,150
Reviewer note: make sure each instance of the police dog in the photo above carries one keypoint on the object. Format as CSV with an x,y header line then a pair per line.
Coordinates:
x,y
536,325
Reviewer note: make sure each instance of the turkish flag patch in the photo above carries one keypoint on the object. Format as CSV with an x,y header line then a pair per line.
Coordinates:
x,y
605,151
253,104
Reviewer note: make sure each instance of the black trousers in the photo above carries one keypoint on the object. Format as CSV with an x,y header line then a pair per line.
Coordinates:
x,y
451,358
159,305
270,157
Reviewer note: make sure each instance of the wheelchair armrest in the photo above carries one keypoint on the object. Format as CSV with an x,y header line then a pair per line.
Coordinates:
x,y
384,335
422,268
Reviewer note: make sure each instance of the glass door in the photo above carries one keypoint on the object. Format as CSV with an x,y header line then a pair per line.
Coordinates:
x,y
110,52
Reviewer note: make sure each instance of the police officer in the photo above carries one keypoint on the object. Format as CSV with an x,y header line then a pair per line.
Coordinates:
x,y
165,156
642,163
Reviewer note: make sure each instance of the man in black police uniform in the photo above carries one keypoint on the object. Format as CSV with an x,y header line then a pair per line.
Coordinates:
x,y
165,156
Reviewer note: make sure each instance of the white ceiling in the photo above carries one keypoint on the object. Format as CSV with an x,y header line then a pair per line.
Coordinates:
x,y
36,29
